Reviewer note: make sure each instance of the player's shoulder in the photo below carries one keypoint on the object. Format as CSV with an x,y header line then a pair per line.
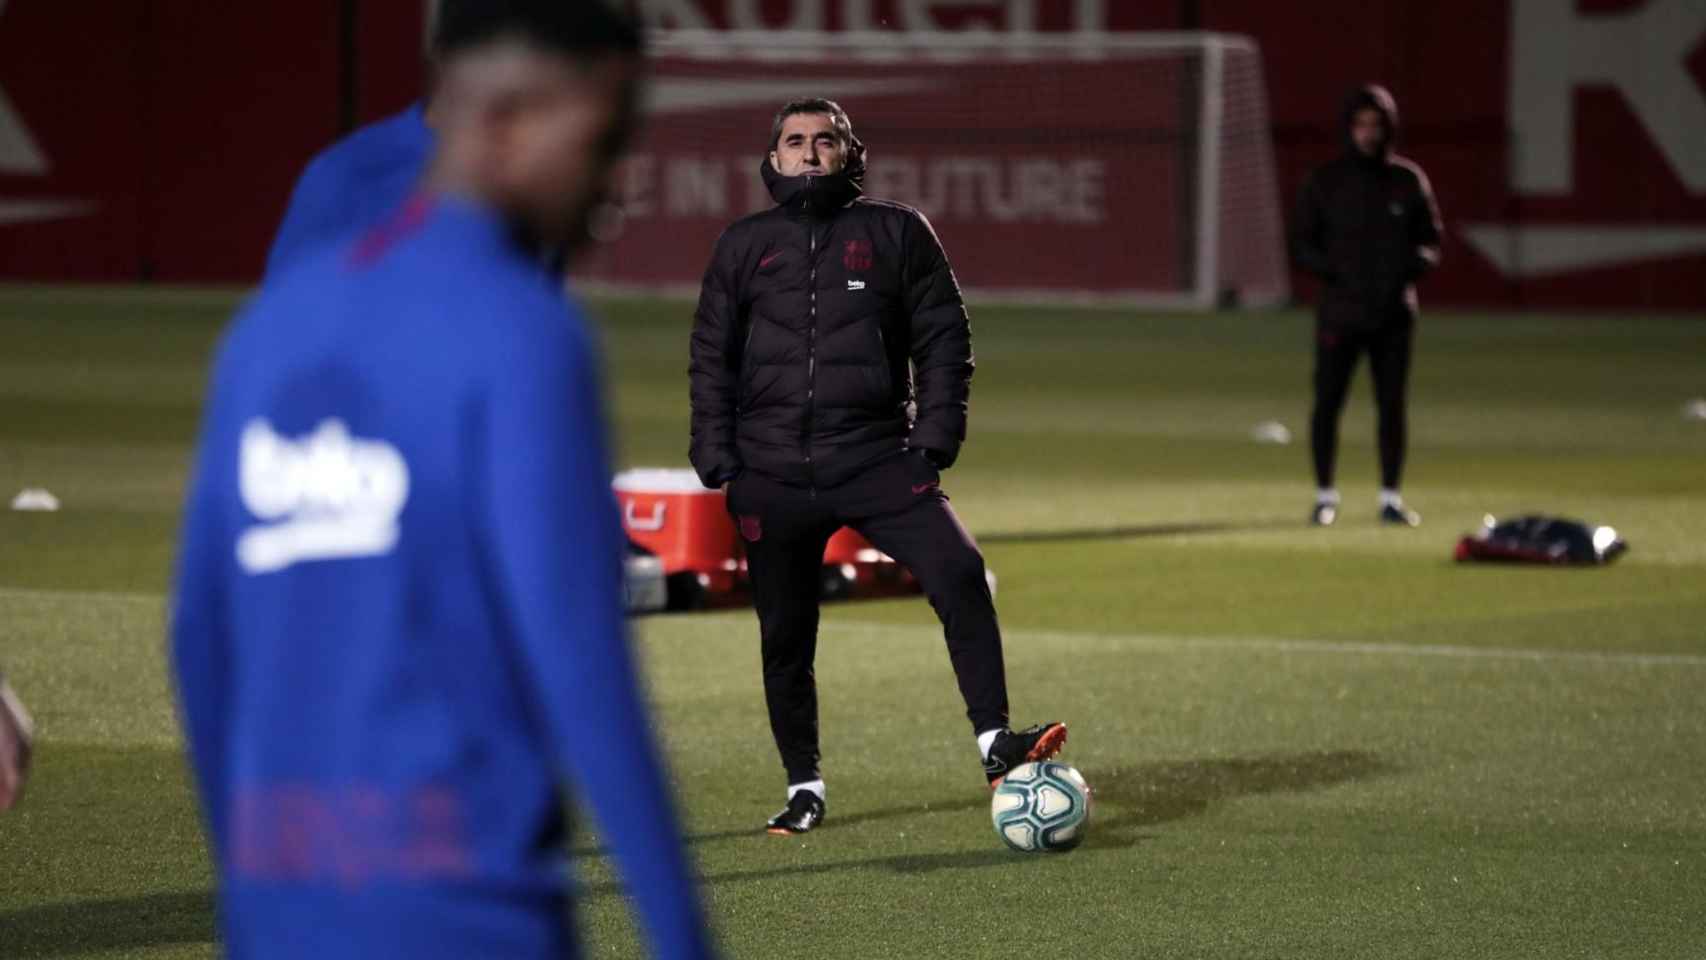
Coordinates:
x,y
1333,170
401,134
753,226
523,313
904,224
284,310
519,306
538,337
891,210
491,319
313,274
441,267
1408,168
407,126
740,240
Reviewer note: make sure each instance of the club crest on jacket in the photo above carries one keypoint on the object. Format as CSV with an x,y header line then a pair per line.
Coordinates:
x,y
856,255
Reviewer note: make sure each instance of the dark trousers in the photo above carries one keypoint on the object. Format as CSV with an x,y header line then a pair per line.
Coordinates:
x,y
898,505
1336,354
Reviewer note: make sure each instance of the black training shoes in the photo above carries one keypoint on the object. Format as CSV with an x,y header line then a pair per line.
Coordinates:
x,y
1398,516
1011,748
804,811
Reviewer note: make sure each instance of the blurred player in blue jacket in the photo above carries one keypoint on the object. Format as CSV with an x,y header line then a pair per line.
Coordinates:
x,y
397,626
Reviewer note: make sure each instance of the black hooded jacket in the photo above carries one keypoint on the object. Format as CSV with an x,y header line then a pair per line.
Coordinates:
x,y
1368,227
830,334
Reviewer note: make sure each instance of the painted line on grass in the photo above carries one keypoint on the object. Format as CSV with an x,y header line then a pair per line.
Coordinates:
x,y
1267,644
1285,645
26,593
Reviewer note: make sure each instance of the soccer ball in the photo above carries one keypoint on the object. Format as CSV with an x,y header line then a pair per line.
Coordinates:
x,y
1042,807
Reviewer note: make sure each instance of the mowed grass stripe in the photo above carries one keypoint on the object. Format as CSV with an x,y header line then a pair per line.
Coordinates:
x,y
1285,645
81,596
27,610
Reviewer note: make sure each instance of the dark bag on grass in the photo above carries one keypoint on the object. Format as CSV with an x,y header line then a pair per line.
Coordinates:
x,y
1541,539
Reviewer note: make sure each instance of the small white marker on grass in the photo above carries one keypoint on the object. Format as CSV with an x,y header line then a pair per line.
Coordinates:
x,y
1694,409
35,499
1270,431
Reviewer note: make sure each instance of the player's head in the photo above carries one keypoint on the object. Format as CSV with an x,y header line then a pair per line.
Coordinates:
x,y
432,52
1371,120
1368,131
534,102
813,137
431,55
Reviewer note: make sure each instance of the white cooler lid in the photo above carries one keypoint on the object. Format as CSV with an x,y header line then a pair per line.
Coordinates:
x,y
660,480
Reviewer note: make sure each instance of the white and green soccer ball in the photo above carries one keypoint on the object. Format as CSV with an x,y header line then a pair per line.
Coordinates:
x,y
1042,808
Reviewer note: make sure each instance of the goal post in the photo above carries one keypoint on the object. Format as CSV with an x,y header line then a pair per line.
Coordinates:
x,y
1132,168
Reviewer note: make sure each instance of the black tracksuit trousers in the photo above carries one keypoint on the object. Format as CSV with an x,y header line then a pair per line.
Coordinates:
x,y
898,505
1336,355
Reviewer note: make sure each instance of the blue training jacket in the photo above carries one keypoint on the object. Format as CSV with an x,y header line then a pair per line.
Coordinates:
x,y
397,626
353,184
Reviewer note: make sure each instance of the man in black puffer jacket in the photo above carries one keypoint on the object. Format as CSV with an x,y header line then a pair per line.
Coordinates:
x,y
1367,225
831,366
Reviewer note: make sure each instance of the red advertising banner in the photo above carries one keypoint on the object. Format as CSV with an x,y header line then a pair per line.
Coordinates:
x,y
158,139
909,16
72,133
1565,139
1041,190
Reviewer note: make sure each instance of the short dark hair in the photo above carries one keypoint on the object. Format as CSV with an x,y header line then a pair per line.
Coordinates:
x,y
838,119
577,29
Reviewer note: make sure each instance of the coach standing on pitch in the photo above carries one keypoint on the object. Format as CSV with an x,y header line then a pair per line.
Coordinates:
x,y
397,627
806,412
1367,225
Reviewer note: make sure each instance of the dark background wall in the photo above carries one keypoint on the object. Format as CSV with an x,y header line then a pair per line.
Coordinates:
x,y
157,139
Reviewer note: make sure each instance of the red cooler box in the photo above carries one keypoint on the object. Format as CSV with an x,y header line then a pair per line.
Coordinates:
x,y
670,513
853,568
847,546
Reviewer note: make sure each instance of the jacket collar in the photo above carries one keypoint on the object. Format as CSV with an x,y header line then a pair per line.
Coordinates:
x,y
818,196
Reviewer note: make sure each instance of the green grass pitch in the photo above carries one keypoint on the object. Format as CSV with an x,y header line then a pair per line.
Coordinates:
x,y
1305,743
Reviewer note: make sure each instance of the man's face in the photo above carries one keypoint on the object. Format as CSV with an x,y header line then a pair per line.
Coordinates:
x,y
561,144
1368,131
808,147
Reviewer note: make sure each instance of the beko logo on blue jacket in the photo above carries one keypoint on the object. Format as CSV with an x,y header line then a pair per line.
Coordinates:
x,y
324,496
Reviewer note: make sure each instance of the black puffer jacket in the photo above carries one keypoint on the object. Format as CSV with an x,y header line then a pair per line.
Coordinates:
x,y
829,335
1367,226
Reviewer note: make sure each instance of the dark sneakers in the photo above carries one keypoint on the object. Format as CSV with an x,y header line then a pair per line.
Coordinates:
x,y
804,811
1012,748
1324,514
1400,516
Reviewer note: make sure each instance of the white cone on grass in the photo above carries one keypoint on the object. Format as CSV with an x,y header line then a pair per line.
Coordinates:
x,y
35,500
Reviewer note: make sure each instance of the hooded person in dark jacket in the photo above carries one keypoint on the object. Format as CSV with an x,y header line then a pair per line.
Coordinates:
x,y
1368,227
831,367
